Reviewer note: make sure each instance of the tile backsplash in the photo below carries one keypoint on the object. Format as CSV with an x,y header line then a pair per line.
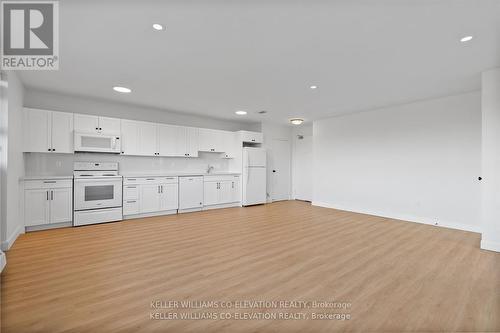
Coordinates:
x,y
43,164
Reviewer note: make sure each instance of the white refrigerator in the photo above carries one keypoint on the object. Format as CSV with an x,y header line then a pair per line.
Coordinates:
x,y
254,176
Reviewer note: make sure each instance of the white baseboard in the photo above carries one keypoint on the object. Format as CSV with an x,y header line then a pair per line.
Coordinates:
x,y
406,218
161,213
229,205
489,245
3,261
6,245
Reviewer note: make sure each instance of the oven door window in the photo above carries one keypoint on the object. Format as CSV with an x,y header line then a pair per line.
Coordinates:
x,y
99,192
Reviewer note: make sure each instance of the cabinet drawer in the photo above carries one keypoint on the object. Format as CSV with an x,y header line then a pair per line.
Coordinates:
x,y
130,192
221,178
130,207
48,183
169,180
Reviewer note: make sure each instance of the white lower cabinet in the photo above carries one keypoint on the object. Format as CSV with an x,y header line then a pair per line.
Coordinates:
x,y
48,202
150,196
221,190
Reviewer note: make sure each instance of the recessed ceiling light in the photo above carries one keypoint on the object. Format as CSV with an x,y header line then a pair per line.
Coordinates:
x,y
466,39
158,26
313,87
296,121
123,90
241,113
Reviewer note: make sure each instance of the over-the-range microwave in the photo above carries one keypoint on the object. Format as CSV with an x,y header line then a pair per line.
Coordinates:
x,y
99,143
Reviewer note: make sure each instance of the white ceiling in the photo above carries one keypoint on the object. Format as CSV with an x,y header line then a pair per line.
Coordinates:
x,y
216,57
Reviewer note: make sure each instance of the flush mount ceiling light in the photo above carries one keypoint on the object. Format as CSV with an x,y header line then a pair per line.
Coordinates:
x,y
158,26
241,113
313,87
466,39
123,90
296,121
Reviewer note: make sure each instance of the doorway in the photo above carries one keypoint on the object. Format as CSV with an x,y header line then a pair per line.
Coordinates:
x,y
279,172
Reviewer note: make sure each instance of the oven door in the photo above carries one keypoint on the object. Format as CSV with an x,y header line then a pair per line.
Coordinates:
x,y
97,193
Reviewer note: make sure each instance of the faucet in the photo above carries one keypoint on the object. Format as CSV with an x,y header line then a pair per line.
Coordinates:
x,y
210,168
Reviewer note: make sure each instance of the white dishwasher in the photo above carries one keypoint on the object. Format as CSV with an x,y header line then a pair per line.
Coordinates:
x,y
190,193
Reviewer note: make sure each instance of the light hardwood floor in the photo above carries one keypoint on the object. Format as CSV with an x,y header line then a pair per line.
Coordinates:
x,y
398,276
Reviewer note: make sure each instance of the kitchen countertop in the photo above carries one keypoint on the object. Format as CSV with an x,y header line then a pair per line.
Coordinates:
x,y
46,177
179,174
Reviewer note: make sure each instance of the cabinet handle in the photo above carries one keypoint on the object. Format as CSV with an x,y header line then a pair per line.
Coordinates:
x,y
48,149
49,181
51,195
131,186
232,185
47,195
132,201
162,189
150,179
97,128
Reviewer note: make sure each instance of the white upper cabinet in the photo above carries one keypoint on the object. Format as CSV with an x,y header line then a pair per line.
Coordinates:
x,y
231,144
168,140
130,137
139,138
252,137
177,141
62,132
95,124
48,131
189,142
109,126
86,123
37,134
51,131
148,138
211,140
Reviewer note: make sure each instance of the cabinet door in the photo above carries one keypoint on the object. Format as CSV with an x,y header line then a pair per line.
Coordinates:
x,y
130,137
62,132
208,140
192,141
235,190
225,192
37,131
168,140
148,138
149,200
36,207
86,123
109,126
61,208
211,193
230,144
169,196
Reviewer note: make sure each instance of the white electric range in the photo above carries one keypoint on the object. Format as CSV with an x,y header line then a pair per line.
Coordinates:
x,y
97,194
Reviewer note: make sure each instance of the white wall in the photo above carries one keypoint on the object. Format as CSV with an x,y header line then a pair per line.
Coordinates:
x,y
42,164
416,162
302,158
490,104
76,104
12,162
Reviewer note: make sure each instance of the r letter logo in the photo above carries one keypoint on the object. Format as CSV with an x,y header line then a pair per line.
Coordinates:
x,y
30,35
